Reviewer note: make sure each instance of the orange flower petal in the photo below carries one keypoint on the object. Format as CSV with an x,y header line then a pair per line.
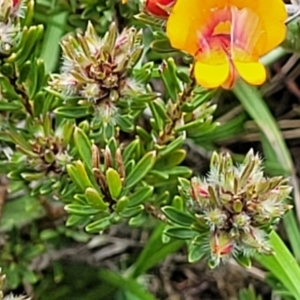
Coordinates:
x,y
186,19
272,14
211,76
252,72
247,29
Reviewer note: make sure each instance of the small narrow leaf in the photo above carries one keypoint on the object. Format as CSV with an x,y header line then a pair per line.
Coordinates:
x,y
196,253
177,216
133,211
95,199
121,204
180,233
98,225
140,196
72,112
79,175
114,183
83,146
243,261
81,210
141,169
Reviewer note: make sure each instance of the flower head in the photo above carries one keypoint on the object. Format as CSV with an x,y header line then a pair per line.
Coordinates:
x,y
234,207
98,70
227,37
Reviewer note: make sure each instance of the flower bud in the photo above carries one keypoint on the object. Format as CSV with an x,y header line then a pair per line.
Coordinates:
x,y
221,245
159,8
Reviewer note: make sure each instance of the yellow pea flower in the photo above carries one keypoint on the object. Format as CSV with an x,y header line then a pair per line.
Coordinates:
x,y
227,37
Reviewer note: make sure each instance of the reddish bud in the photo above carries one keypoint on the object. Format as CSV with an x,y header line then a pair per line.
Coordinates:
x,y
203,192
221,245
159,8
15,3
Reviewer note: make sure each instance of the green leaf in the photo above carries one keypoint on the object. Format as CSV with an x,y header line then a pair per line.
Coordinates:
x,y
141,169
95,199
162,46
81,210
125,284
177,216
179,171
83,146
114,182
249,294
54,31
12,275
196,253
31,176
292,40
145,97
19,212
10,106
29,39
98,225
174,145
20,141
282,265
125,123
139,220
140,196
173,159
121,204
147,19
158,122
73,112
254,104
29,275
146,136
180,233
243,261
170,79
178,203
49,234
160,109
132,211
131,150
153,252
74,220
79,175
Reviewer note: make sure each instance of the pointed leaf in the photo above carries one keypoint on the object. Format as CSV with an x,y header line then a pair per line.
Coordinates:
x,y
180,233
132,211
98,225
73,112
140,196
177,216
196,253
141,169
83,146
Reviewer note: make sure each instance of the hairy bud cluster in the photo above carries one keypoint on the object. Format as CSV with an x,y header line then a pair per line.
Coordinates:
x,y
10,12
51,155
98,70
46,152
237,205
